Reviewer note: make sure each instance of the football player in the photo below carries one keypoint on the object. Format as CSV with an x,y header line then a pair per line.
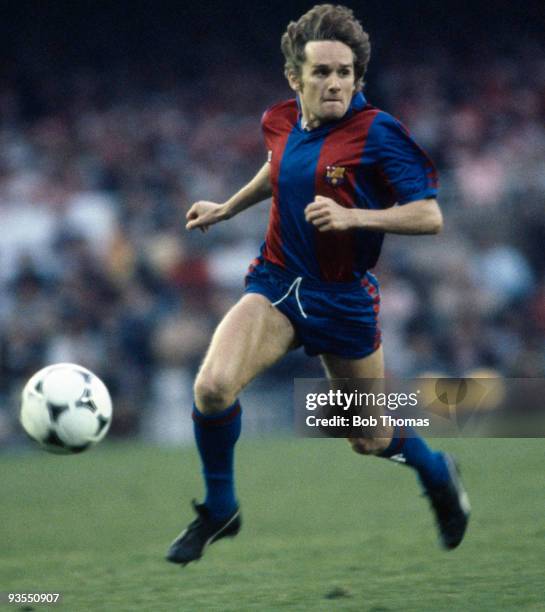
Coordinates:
x,y
341,174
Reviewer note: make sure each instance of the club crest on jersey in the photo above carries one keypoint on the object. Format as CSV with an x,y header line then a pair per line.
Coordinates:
x,y
335,175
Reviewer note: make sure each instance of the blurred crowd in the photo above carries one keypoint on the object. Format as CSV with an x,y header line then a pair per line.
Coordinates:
x,y
97,170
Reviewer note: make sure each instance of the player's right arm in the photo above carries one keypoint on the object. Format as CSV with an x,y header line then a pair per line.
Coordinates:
x,y
203,214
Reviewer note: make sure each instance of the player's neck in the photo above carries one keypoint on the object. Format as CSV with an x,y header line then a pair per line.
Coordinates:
x,y
310,123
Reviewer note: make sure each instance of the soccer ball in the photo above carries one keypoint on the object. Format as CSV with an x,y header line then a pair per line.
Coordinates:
x,y
66,408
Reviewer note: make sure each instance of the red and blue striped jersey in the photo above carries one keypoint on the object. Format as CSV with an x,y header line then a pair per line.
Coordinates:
x,y
367,159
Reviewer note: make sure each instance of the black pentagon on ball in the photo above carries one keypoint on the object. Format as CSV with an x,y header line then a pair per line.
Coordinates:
x,y
102,422
86,393
86,402
54,440
55,410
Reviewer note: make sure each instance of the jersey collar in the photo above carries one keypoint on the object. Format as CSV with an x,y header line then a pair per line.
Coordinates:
x,y
357,103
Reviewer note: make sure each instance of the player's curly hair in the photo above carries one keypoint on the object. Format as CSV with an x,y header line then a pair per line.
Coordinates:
x,y
326,22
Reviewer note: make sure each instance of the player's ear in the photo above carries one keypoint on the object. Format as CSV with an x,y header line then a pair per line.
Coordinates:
x,y
294,80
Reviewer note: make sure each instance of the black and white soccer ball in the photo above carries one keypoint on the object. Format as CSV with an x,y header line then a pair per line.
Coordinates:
x,y
66,408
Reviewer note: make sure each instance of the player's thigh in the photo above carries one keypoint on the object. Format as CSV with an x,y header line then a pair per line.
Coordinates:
x,y
369,371
251,337
369,367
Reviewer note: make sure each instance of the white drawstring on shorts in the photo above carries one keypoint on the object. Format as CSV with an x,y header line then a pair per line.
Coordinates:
x,y
296,283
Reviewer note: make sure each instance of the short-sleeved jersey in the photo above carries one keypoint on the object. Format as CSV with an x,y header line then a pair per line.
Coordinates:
x,y
367,159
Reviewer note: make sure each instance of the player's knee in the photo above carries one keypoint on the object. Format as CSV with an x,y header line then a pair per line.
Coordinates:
x,y
213,393
359,445
369,446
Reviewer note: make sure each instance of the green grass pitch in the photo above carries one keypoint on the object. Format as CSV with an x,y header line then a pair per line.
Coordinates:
x,y
324,529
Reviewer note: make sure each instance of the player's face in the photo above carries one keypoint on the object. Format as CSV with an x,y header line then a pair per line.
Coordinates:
x,y
327,82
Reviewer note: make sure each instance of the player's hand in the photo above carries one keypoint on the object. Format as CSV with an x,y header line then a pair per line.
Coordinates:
x,y
326,215
204,214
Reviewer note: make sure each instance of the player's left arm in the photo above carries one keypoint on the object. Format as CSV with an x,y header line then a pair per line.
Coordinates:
x,y
417,217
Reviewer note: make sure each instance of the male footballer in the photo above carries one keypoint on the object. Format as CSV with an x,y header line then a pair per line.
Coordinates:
x,y
341,174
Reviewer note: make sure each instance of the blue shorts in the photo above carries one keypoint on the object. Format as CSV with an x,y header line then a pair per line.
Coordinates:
x,y
329,318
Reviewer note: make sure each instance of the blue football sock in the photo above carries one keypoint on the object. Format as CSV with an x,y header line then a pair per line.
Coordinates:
x,y
216,435
409,448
